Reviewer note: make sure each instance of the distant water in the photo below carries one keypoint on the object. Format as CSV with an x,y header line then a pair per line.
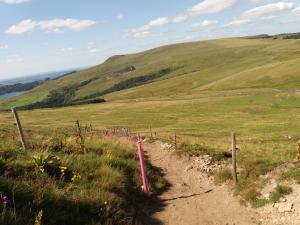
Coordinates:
x,y
12,94
38,77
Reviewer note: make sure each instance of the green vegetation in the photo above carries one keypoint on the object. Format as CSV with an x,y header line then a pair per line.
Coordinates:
x,y
196,149
250,86
279,192
208,67
250,184
5,89
293,173
222,176
59,98
54,177
277,36
132,82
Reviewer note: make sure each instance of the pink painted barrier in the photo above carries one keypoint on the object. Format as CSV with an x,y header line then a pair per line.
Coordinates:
x,y
143,170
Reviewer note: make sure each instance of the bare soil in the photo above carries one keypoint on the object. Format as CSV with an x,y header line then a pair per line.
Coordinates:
x,y
192,198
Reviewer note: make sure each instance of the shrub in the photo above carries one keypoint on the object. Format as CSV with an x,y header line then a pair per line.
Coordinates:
x,y
250,193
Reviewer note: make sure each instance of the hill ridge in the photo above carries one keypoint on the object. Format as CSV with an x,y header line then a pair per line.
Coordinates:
x,y
224,64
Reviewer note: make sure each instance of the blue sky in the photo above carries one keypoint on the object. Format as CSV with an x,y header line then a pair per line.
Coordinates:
x,y
47,35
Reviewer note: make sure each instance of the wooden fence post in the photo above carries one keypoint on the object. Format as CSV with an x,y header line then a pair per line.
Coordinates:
x,y
20,129
151,132
298,151
81,139
175,140
234,166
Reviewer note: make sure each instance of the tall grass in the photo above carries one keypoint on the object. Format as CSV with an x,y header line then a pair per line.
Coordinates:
x,y
100,187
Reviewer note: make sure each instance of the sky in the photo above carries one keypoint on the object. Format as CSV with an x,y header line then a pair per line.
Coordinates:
x,y
49,35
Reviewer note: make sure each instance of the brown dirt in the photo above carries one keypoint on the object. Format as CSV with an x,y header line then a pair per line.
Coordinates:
x,y
192,198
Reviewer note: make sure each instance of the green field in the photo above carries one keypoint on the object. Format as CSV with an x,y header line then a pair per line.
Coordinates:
x,y
249,86
196,68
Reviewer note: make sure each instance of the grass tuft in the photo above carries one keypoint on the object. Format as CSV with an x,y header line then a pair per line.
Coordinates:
x,y
222,176
293,173
279,192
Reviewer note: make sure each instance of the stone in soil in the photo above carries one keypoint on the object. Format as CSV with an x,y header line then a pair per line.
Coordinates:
x,y
284,207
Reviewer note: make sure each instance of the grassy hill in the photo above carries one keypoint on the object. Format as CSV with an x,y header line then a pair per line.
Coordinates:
x,y
193,68
201,90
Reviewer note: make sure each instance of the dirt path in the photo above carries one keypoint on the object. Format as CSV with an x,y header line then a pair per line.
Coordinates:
x,y
192,199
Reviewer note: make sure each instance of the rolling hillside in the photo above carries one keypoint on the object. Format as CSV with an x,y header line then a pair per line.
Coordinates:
x,y
181,70
201,90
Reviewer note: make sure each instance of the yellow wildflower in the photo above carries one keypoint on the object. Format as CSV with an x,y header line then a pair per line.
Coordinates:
x,y
38,218
76,176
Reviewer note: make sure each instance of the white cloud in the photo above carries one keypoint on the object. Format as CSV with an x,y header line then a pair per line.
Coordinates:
x,y
23,27
14,2
120,16
265,12
102,50
3,46
55,25
14,59
142,34
204,7
136,31
91,48
238,22
297,11
260,1
159,22
91,45
180,19
66,49
267,9
94,50
205,23
211,6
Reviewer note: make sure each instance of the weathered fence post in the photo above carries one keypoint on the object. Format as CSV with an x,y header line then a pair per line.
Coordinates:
x,y
143,167
234,166
298,151
175,140
151,132
20,129
81,139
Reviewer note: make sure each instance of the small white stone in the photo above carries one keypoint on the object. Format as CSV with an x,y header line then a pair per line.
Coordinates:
x,y
285,207
283,200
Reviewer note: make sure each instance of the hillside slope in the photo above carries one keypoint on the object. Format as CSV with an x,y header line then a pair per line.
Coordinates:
x,y
192,68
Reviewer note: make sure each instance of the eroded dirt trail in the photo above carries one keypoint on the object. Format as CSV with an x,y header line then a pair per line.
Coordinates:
x,y
192,199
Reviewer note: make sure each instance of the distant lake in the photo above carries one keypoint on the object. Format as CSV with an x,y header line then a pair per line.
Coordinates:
x,y
12,94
